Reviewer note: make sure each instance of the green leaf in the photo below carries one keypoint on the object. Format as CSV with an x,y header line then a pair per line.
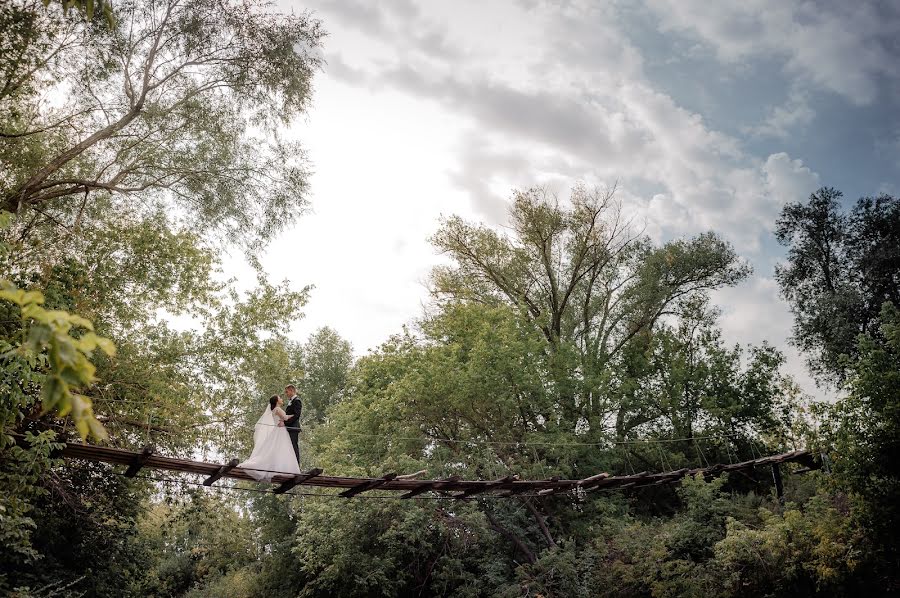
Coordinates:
x,y
79,321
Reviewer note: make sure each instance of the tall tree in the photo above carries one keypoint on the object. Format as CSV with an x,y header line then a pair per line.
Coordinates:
x,y
861,432
128,154
327,359
583,277
840,269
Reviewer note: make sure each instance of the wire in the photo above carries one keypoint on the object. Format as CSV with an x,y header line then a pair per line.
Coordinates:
x,y
700,450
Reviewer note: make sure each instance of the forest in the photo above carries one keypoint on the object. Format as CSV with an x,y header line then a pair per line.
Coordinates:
x,y
142,141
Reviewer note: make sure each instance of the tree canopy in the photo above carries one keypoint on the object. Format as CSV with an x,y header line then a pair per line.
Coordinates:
x,y
841,269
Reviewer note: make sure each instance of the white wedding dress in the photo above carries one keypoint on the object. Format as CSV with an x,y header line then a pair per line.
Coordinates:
x,y
273,452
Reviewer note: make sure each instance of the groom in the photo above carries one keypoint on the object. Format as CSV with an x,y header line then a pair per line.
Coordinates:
x,y
292,423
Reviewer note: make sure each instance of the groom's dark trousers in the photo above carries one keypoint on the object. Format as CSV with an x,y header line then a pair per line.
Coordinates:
x,y
292,423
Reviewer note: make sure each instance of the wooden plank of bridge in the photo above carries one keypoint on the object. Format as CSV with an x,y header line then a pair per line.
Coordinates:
x,y
651,479
485,486
592,481
608,483
671,476
220,472
712,471
523,486
553,490
431,485
368,485
808,461
138,462
558,487
297,479
631,480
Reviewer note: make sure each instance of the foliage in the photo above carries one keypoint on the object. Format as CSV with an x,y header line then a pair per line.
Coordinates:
x,y
843,283
21,469
585,280
841,268
86,520
124,225
327,359
795,552
566,346
194,541
49,342
88,7
215,80
860,435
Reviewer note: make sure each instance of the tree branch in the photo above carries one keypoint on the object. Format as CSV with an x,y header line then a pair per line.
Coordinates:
x,y
517,542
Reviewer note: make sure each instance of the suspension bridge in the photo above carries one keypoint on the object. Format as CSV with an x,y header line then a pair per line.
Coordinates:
x,y
408,486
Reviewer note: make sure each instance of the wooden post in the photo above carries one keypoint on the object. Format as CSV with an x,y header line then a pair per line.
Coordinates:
x,y
138,462
779,487
220,472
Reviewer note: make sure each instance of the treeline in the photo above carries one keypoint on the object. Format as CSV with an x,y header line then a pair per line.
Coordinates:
x,y
567,345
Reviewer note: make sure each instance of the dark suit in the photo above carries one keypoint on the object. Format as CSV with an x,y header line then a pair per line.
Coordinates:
x,y
292,423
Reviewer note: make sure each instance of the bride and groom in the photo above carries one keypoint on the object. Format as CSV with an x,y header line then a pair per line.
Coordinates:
x,y
275,436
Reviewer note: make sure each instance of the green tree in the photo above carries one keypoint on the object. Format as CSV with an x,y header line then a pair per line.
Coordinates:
x,y
127,224
327,359
840,269
583,277
860,433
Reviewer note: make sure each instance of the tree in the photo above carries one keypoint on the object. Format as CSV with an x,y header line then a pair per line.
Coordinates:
x,y
87,7
860,433
581,276
327,359
169,113
840,269
684,382
842,279
181,102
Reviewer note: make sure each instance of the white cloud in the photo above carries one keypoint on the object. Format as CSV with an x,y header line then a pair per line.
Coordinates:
x,y
843,47
788,180
781,120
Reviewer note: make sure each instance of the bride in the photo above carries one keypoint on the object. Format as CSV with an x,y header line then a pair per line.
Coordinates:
x,y
273,452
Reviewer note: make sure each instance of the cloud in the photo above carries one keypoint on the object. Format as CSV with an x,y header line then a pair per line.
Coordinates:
x,y
794,113
336,67
399,22
631,133
887,146
788,180
843,47
544,117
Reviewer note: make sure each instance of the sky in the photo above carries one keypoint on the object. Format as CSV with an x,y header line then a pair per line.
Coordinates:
x,y
707,116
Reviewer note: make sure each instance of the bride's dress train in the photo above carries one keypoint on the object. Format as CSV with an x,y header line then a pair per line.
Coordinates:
x,y
273,452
